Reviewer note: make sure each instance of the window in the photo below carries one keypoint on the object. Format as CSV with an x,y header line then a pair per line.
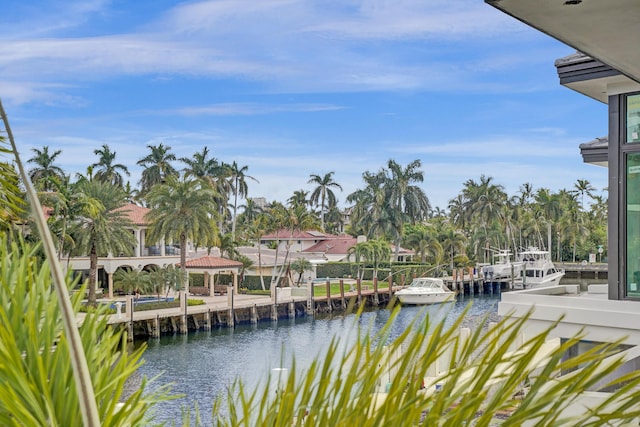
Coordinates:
x,y
632,170
633,118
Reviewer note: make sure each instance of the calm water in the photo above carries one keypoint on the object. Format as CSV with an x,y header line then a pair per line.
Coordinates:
x,y
203,364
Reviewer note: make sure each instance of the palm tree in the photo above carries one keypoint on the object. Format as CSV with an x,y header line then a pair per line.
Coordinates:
x,y
215,174
549,210
582,187
157,166
238,177
526,194
407,199
180,211
359,253
292,220
300,266
67,203
100,228
11,200
323,194
105,168
424,240
45,169
299,198
132,280
453,243
250,211
379,251
200,166
334,220
255,230
228,246
247,264
370,210
405,195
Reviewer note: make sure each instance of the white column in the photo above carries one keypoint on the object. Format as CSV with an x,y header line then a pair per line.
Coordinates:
x,y
110,281
137,235
235,282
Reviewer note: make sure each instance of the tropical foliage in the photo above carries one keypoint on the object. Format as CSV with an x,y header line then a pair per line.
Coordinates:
x,y
181,210
38,386
391,204
482,381
101,227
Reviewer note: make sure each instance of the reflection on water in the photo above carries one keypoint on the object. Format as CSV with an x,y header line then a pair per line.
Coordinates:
x,y
202,365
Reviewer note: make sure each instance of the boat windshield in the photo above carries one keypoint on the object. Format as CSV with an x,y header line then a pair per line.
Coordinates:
x,y
426,283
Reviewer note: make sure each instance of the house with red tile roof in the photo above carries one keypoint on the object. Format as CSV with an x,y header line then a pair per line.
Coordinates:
x,y
329,246
148,255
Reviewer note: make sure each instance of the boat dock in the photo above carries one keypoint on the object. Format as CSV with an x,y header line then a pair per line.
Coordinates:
x,y
575,270
229,309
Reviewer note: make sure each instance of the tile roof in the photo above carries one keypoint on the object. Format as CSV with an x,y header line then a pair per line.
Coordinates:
x,y
341,244
135,213
212,262
298,235
335,246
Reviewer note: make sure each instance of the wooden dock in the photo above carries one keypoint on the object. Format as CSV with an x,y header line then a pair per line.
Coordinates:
x,y
232,309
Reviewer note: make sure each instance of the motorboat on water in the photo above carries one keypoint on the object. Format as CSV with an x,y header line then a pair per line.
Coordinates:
x,y
503,269
426,290
538,269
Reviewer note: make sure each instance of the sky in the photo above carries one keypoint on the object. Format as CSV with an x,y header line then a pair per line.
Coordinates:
x,y
291,88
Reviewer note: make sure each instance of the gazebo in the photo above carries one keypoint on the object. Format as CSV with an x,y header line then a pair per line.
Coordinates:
x,y
210,266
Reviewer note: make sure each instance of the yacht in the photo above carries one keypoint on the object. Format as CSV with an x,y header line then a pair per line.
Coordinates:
x,y
503,270
538,269
426,290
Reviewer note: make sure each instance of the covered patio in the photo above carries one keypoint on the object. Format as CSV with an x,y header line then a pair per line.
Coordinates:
x,y
210,266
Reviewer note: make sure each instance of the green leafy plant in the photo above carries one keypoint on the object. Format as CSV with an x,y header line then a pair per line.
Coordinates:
x,y
381,381
38,387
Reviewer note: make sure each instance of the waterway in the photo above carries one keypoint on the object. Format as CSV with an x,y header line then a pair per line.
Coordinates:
x,y
203,365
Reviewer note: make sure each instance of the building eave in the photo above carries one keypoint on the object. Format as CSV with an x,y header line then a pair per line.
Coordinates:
x,y
607,31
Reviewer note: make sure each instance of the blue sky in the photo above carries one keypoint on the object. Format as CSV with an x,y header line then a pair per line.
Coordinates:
x,y
298,87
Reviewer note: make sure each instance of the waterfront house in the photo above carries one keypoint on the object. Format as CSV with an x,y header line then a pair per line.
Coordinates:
x,y
149,255
331,247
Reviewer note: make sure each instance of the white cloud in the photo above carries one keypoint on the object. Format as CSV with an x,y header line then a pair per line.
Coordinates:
x,y
288,45
245,109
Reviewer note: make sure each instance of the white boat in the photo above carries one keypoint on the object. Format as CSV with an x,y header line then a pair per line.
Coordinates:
x,y
426,290
538,269
503,269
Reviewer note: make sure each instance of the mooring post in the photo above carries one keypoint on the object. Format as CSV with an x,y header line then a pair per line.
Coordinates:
x,y
311,306
129,309
328,288
183,309
231,315
375,291
156,327
254,314
207,320
359,290
342,294
292,310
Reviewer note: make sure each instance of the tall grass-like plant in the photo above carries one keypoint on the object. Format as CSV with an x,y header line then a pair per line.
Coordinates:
x,y
52,371
36,374
488,380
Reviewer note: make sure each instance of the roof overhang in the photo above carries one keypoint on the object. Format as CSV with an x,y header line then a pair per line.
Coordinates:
x,y
591,77
607,31
596,152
